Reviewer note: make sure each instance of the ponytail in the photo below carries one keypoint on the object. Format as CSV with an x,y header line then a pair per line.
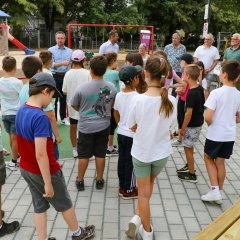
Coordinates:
x,y
166,105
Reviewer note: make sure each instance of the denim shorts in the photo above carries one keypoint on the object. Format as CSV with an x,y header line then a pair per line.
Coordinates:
x,y
142,169
61,200
9,123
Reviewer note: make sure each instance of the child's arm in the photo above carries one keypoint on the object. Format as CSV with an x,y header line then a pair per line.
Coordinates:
x,y
43,163
238,117
209,116
53,122
116,116
187,118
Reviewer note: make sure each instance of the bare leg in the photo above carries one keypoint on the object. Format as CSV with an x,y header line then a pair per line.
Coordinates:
x,y
100,166
212,170
14,146
40,220
73,134
190,159
206,93
82,167
71,219
110,140
221,171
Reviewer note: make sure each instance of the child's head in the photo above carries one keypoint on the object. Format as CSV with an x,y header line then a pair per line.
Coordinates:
x,y
31,65
98,66
9,64
134,59
44,84
186,59
129,75
77,58
192,72
88,56
111,59
46,57
230,70
201,66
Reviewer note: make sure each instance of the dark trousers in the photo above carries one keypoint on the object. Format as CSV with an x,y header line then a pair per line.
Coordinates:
x,y
62,107
174,81
126,175
180,112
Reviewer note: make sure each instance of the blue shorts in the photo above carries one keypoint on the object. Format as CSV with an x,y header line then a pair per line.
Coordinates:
x,y
9,123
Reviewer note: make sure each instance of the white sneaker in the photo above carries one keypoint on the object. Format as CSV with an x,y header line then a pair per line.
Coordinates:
x,y
12,166
146,235
65,122
176,143
212,197
133,226
75,153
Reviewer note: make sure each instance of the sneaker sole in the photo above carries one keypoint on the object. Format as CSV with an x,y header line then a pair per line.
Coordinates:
x,y
87,237
185,180
131,232
12,168
126,198
216,201
181,171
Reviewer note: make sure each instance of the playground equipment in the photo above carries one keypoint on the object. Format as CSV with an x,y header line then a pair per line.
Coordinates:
x,y
113,27
5,35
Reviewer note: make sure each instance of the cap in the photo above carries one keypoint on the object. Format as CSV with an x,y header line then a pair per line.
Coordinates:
x,y
78,56
188,58
44,79
128,73
89,54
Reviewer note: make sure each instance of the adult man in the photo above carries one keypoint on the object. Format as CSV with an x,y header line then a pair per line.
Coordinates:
x,y
209,55
174,51
111,44
61,56
233,53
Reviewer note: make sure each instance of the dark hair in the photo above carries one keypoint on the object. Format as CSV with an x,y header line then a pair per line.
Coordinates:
x,y
98,65
9,63
193,71
31,65
201,64
36,90
232,68
75,63
157,70
45,56
111,57
161,54
134,59
112,33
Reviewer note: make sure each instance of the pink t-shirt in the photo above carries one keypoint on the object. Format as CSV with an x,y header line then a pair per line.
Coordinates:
x,y
169,80
183,96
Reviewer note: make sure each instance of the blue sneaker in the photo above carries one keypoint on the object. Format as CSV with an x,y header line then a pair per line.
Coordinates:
x,y
29,51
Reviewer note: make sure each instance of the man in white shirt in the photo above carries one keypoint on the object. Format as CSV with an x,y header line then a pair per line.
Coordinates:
x,y
111,44
209,55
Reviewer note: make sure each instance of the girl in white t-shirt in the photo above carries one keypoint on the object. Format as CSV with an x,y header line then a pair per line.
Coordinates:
x,y
150,116
73,79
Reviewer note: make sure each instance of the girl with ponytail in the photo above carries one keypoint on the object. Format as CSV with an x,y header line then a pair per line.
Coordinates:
x,y
150,117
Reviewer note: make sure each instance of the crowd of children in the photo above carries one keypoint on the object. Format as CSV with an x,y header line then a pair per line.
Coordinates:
x,y
141,108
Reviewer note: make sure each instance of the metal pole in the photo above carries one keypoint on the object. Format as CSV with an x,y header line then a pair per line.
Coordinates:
x,y
209,12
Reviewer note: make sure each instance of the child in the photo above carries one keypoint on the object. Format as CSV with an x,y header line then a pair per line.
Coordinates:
x,y
127,186
46,57
94,101
150,115
223,111
111,75
38,165
182,91
88,56
5,228
30,66
193,121
10,88
72,79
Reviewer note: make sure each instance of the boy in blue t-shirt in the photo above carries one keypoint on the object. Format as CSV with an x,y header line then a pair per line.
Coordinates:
x,y
38,164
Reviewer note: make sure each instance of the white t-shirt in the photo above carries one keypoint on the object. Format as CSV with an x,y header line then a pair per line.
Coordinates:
x,y
207,55
151,141
72,80
9,91
225,102
122,102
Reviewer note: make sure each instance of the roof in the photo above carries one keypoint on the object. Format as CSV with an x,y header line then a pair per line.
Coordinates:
x,y
3,14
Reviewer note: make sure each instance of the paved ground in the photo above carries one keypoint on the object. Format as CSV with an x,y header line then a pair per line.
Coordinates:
x,y
176,208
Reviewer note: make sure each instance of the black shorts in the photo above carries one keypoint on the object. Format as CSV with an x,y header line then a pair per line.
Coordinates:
x,y
73,121
218,149
113,123
180,112
89,144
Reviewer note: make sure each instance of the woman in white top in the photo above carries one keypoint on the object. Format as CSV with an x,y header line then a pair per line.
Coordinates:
x,y
142,49
151,115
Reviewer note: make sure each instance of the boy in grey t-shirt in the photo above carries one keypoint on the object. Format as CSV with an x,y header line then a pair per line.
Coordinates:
x,y
94,101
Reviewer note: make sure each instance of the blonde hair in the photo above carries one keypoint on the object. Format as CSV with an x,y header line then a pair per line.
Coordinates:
x,y
193,71
158,69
